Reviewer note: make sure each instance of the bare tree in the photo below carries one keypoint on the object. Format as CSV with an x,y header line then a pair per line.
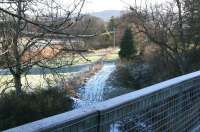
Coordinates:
x,y
165,25
27,31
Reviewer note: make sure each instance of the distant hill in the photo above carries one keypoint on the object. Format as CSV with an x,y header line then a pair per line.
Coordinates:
x,y
107,14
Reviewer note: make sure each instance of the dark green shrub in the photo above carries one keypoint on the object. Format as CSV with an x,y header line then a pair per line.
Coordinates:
x,y
28,107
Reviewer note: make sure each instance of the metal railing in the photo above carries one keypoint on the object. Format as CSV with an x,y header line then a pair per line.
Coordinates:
x,y
170,106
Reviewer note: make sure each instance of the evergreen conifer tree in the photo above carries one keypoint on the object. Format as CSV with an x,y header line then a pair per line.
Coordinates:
x,y
127,45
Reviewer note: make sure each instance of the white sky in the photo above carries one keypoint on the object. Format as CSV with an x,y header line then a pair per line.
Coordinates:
x,y
100,5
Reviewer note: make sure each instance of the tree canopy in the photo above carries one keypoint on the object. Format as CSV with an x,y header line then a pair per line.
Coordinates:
x,y
26,37
173,26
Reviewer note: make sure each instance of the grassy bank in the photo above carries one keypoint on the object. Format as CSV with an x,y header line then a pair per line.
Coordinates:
x,y
109,54
32,81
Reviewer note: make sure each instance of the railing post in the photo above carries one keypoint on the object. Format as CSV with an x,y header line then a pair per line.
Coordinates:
x,y
99,122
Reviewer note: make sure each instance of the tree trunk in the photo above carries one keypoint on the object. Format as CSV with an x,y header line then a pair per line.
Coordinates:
x,y
18,84
17,75
182,63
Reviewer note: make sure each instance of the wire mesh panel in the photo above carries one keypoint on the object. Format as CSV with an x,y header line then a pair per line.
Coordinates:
x,y
87,124
171,106
173,109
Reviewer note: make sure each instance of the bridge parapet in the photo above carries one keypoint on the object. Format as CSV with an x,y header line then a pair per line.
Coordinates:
x,y
172,105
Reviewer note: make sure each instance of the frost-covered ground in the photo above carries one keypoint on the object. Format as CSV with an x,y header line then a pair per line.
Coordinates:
x,y
94,90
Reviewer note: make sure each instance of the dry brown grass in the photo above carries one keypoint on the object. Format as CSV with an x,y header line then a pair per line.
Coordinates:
x,y
42,53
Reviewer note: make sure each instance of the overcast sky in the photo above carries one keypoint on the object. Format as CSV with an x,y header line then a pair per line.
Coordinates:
x,y
100,5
